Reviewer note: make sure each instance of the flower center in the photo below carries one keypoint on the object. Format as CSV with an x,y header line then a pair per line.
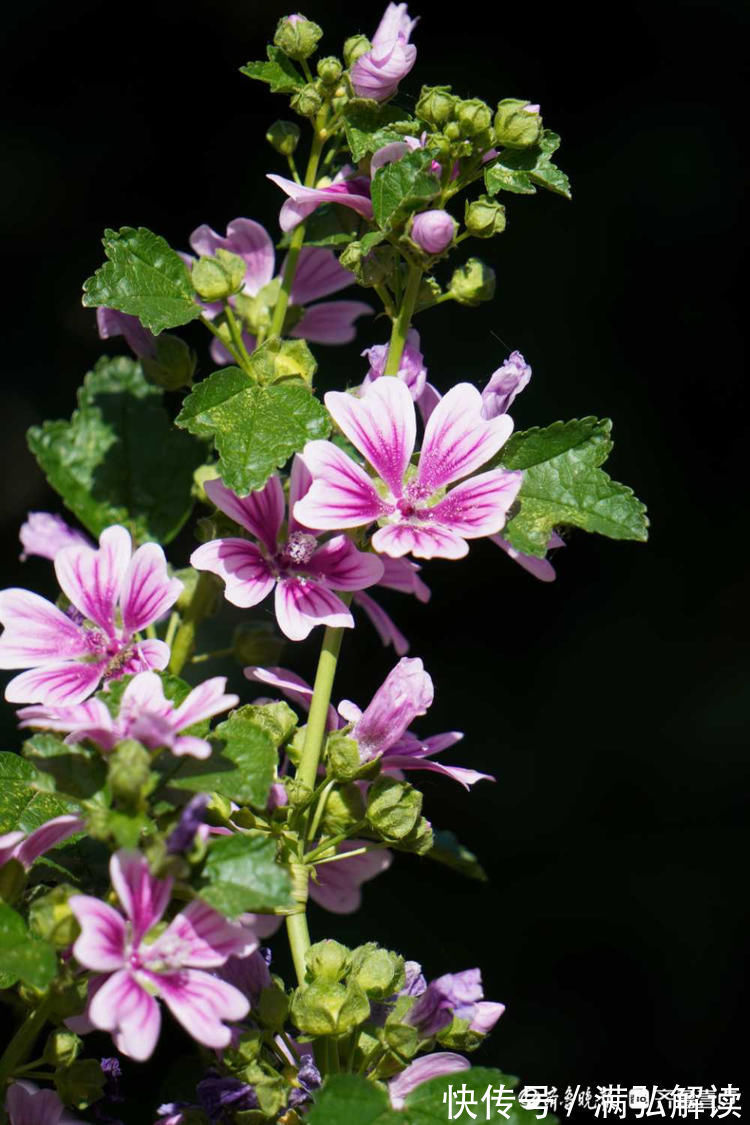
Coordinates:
x,y
299,548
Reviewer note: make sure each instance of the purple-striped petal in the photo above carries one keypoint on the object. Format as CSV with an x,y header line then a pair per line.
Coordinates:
x,y
203,702
200,938
461,774
405,693
300,480
36,631
122,1007
457,440
77,721
248,239
44,534
425,542
342,494
302,604
318,274
48,836
429,1066
478,506
261,513
201,1002
539,568
55,685
303,200
91,578
110,322
293,687
381,425
403,575
147,655
102,943
147,591
144,898
247,576
337,886
9,842
338,563
330,322
384,625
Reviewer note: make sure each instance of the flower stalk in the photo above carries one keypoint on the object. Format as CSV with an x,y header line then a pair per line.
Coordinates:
x,y
402,322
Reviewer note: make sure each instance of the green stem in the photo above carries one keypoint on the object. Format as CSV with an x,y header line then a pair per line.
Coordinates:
x,y
299,942
236,334
282,302
21,1044
203,656
403,320
199,607
215,331
319,808
348,855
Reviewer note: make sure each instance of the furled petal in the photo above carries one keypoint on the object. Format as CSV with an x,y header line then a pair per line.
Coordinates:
x,y
55,685
539,568
385,626
504,384
203,702
381,424
147,655
201,1002
405,693
461,774
403,575
293,687
36,631
457,440
301,605
338,563
318,274
411,368
102,942
429,1066
91,578
342,494
395,23
331,322
44,534
425,542
390,153
261,513
201,938
129,1012
337,886
377,73
427,402
147,592
242,566
303,200
486,1015
48,836
478,506
144,898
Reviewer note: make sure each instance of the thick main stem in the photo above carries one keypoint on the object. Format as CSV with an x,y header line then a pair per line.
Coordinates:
x,y
199,607
403,320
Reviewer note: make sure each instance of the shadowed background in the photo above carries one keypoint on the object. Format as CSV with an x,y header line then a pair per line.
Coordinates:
x,y
609,704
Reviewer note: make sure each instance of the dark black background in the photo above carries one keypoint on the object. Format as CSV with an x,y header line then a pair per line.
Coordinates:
x,y
609,705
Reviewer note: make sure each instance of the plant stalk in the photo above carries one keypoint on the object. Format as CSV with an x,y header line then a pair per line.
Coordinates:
x,y
403,320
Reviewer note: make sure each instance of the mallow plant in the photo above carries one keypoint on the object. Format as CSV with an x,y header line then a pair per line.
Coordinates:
x,y
160,835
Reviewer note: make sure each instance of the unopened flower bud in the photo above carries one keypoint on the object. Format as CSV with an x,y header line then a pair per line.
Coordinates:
x,y
344,808
377,971
257,644
342,756
330,70
52,920
436,104
174,364
298,792
452,131
433,231
421,838
393,807
284,137
484,217
327,960
307,101
329,1008
371,268
355,47
219,277
62,1048
473,283
517,123
278,719
80,1083
297,36
474,117
129,773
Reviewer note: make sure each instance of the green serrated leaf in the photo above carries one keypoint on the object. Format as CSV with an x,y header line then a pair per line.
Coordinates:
x,y
430,1103
144,277
564,486
347,1099
519,170
243,769
499,178
279,72
448,850
23,957
25,800
403,186
369,126
119,458
241,874
77,771
255,429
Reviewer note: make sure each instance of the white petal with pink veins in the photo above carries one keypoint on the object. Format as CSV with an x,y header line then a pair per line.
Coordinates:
x,y
382,425
261,513
425,542
55,685
478,506
144,898
343,567
341,495
147,592
129,1012
91,578
457,440
103,939
201,938
201,1002
36,631
302,604
243,567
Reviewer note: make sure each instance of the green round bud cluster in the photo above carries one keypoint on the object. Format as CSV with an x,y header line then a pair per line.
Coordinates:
x,y
342,756
283,136
215,279
327,960
174,364
307,101
517,123
393,808
436,105
297,37
377,971
484,217
354,47
330,70
328,1007
473,283
474,117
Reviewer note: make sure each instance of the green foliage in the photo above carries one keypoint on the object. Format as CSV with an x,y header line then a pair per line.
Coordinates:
x,y
347,1099
402,187
23,957
369,126
563,485
425,1105
255,429
279,72
144,277
76,770
25,800
241,873
242,770
523,170
119,459
449,851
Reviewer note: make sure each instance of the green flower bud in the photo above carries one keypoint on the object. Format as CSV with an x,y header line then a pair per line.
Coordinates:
x,y
298,792
52,920
393,807
474,116
307,101
436,104
327,960
297,37
328,1008
174,364
129,774
401,1038
272,1008
219,277
276,718
517,123
458,1036
284,137
342,756
344,808
200,477
330,70
62,1047
420,840
452,131
81,1083
484,217
355,47
373,267
379,972
473,283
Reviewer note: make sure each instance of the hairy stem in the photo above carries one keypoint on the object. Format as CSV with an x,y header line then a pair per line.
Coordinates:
x,y
199,607
403,320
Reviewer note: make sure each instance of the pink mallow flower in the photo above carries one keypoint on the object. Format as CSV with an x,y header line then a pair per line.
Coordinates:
x,y
134,971
26,848
26,1104
454,995
540,568
377,73
345,190
115,594
422,1070
303,571
415,513
433,231
44,534
145,714
318,274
